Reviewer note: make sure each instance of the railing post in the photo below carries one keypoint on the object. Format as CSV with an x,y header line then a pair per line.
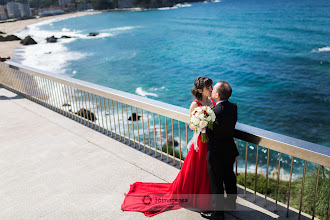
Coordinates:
x,y
278,180
266,188
246,153
302,190
256,175
287,209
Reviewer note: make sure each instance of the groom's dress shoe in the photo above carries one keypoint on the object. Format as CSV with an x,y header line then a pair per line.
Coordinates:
x,y
206,215
219,215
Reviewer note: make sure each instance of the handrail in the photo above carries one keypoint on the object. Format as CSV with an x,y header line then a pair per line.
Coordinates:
x,y
298,148
176,112
312,152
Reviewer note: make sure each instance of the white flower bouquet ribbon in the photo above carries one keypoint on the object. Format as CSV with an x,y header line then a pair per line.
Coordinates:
x,y
194,139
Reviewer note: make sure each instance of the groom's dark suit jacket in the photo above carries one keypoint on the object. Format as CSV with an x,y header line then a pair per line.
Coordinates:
x,y
220,157
221,140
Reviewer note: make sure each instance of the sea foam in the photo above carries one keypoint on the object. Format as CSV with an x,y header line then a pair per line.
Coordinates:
x,y
49,57
176,6
125,28
143,93
54,57
322,49
157,89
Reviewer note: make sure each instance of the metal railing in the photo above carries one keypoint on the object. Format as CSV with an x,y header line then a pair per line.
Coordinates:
x,y
161,129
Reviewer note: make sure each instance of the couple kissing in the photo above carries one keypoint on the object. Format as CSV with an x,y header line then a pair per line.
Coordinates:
x,y
207,170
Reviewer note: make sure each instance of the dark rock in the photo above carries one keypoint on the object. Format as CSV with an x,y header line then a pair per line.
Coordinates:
x,y
134,117
51,39
2,32
64,36
66,104
93,34
3,59
9,38
170,143
86,114
12,38
28,40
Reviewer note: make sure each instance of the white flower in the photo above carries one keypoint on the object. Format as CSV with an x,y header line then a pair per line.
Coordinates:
x,y
195,121
203,124
213,116
199,119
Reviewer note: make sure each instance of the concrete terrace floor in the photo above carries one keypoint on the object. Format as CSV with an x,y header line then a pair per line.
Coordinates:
x,y
53,167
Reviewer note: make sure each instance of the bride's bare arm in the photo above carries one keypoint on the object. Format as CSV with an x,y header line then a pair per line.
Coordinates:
x,y
191,109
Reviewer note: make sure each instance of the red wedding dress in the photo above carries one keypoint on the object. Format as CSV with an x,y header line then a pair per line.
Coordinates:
x,y
190,189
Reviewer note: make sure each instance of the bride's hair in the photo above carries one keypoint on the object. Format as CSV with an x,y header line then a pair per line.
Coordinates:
x,y
200,83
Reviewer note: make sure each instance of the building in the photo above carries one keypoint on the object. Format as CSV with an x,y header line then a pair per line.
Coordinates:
x,y
82,6
71,7
13,10
34,11
18,10
3,15
63,3
25,10
50,11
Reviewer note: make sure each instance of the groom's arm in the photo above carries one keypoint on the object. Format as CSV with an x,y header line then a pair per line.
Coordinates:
x,y
212,133
218,110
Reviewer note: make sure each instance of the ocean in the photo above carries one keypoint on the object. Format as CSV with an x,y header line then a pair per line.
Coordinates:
x,y
274,54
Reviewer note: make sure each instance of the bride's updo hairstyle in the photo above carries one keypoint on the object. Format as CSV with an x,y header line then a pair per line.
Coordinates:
x,y
200,83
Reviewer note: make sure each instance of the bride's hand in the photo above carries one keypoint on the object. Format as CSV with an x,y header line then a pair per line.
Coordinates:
x,y
192,127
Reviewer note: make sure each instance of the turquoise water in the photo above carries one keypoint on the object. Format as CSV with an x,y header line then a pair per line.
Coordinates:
x,y
275,54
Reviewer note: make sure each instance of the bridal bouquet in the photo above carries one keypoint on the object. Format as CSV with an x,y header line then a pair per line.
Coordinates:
x,y
201,117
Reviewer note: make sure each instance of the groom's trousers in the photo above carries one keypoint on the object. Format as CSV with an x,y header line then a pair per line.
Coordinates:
x,y
222,177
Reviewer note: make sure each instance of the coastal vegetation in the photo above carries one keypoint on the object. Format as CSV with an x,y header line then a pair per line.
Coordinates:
x,y
323,194
170,151
104,4
169,148
159,3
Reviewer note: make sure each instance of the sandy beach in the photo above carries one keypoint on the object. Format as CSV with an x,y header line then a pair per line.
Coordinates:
x,y
7,48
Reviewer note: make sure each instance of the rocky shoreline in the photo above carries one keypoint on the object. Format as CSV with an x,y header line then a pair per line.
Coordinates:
x,y
7,47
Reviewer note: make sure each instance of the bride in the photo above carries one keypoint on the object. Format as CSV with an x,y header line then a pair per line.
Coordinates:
x,y
191,188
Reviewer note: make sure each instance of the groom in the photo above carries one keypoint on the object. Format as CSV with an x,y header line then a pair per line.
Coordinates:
x,y
222,152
